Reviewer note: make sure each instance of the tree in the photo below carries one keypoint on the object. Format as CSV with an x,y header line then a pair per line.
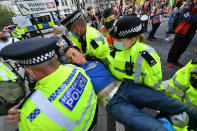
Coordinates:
x,y
6,16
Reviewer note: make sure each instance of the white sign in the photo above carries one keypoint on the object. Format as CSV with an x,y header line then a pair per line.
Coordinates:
x,y
36,6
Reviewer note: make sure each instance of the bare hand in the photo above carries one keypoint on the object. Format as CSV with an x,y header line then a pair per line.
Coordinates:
x,y
13,114
61,44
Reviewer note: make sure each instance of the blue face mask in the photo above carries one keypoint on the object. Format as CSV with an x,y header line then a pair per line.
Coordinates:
x,y
76,36
119,45
8,35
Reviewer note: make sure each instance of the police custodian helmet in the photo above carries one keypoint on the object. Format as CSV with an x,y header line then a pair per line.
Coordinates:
x,y
31,51
68,21
127,27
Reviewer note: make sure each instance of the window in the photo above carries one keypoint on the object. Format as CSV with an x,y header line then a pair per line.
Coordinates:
x,y
41,19
62,2
66,4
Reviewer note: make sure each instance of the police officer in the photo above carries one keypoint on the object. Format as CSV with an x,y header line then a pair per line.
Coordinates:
x,y
63,98
86,38
131,59
108,19
16,33
184,33
183,85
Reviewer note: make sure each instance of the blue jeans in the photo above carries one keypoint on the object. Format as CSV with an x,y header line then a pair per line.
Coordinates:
x,y
124,107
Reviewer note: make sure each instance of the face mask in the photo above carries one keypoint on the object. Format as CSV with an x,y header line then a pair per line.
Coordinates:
x,y
77,59
8,35
76,36
59,35
119,45
108,25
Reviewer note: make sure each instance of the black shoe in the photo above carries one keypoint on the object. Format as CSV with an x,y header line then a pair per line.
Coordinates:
x,y
155,38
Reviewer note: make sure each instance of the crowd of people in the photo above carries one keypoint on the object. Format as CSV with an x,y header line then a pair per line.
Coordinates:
x,y
102,55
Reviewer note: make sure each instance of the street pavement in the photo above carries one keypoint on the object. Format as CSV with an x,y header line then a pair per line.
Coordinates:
x,y
104,122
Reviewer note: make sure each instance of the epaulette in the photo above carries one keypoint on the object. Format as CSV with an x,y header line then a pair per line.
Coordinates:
x,y
94,44
113,52
194,61
151,61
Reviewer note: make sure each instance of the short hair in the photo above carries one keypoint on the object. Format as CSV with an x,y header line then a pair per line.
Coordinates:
x,y
69,47
56,28
80,22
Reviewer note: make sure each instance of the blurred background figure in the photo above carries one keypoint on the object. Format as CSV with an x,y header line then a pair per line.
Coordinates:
x,y
173,20
62,42
157,15
108,22
6,39
146,10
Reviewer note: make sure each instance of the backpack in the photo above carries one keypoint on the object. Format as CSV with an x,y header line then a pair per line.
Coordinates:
x,y
10,94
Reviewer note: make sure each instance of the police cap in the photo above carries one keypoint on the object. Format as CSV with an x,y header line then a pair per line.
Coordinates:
x,y
68,21
127,27
31,51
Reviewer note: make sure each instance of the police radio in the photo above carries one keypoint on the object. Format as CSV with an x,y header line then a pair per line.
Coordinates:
x,y
129,67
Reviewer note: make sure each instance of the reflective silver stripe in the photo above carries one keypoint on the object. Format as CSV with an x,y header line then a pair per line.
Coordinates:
x,y
73,66
91,66
158,84
54,114
3,73
172,90
190,103
176,83
50,111
194,70
13,76
138,65
89,102
98,39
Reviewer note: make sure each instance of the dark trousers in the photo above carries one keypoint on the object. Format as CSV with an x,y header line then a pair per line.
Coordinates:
x,y
145,24
154,29
178,48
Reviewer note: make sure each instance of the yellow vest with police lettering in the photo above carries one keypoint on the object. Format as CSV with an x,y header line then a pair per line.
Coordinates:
x,y
63,100
92,34
180,87
6,74
143,73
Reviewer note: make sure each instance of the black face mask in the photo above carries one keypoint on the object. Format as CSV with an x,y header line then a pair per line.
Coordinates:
x,y
108,25
3,38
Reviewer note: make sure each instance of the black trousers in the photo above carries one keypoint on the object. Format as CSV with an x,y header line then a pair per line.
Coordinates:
x,y
179,47
154,29
145,24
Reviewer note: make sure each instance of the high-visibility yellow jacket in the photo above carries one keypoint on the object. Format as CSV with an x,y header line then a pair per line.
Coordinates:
x,y
183,85
96,44
141,71
6,74
63,100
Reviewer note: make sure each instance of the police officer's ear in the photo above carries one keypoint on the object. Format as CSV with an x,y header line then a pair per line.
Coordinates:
x,y
133,40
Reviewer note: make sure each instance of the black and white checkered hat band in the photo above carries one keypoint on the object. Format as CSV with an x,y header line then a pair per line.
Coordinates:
x,y
131,30
38,59
73,19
